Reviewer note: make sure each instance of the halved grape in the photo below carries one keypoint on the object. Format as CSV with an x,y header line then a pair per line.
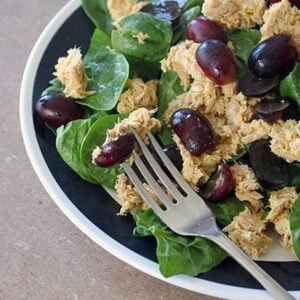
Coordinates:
x,y
202,29
194,131
164,10
267,167
173,153
115,151
219,185
57,110
252,86
272,110
272,57
217,61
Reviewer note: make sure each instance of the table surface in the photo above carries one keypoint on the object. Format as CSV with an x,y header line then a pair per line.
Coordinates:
x,y
42,254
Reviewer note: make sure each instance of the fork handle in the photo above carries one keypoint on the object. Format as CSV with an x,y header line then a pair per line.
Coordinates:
x,y
275,289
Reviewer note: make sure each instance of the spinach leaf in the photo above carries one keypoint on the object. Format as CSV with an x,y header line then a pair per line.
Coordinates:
x,y
295,226
165,135
156,44
97,11
243,41
68,142
108,72
290,86
169,88
96,137
294,175
56,87
178,254
99,39
192,3
226,210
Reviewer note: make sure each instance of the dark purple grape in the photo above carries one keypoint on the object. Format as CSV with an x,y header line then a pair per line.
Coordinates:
x,y
194,131
272,57
115,151
272,110
164,10
252,86
202,29
267,167
217,62
57,110
173,153
219,185
294,2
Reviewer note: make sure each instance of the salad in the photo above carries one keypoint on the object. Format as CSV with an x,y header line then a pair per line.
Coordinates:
x,y
219,83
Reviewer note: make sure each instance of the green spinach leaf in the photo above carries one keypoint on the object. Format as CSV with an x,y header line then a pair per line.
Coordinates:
x,y
108,72
226,210
156,44
56,87
295,226
96,137
169,88
294,175
97,11
166,135
68,142
192,3
243,41
290,86
178,254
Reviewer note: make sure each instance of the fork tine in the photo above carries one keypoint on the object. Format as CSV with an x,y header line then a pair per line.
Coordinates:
x,y
170,186
141,189
151,181
170,166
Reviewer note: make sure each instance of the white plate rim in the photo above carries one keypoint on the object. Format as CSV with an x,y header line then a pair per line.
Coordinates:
x,y
70,210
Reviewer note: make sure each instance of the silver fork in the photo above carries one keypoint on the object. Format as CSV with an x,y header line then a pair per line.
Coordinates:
x,y
188,214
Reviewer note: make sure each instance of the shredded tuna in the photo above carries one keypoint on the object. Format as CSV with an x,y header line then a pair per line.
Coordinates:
x,y
141,120
71,72
247,230
285,141
254,131
234,14
120,9
247,186
139,94
281,203
282,17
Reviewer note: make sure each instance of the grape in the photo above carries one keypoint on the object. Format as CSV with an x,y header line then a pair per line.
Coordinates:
x,y
273,56
219,185
269,110
115,151
202,29
217,61
57,110
252,86
173,153
194,131
294,2
267,167
164,10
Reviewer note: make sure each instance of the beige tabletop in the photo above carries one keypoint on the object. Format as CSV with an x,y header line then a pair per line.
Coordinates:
x,y
42,254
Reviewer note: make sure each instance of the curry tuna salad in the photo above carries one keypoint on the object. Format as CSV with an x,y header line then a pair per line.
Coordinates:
x,y
219,83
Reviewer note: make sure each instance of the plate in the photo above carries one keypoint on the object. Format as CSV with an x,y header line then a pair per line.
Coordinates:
x,y
90,207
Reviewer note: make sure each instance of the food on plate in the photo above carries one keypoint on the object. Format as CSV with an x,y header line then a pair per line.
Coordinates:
x,y
219,83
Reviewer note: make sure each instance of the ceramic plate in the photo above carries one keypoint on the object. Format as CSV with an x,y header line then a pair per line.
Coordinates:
x,y
90,207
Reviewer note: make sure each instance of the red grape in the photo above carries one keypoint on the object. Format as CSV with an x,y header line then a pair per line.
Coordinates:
x,y
194,131
57,110
217,61
173,153
269,110
164,10
202,29
273,56
115,151
219,185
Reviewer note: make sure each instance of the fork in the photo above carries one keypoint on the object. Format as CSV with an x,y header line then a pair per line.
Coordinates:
x,y
188,214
